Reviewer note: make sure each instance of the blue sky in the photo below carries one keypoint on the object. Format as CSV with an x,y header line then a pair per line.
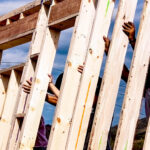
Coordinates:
x,y
18,54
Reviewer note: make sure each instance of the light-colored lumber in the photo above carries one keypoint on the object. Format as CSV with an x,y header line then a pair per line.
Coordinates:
x,y
38,92
3,92
29,69
71,79
39,89
5,122
46,42
20,106
62,17
90,76
111,78
4,78
135,85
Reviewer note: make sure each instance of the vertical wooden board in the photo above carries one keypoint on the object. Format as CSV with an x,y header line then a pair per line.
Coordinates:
x,y
135,85
5,122
3,92
38,91
20,105
90,75
71,79
111,78
28,72
40,30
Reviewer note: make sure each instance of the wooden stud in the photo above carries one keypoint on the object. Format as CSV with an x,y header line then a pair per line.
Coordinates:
x,y
135,85
71,79
50,41
27,73
5,75
90,75
112,75
3,92
30,106
5,122
38,91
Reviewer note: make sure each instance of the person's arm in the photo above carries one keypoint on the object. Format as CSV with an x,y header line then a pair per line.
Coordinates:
x,y
52,87
107,44
129,30
51,99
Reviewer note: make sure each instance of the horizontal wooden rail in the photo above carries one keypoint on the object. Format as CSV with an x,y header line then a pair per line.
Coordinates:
x,y
7,71
62,17
18,32
64,13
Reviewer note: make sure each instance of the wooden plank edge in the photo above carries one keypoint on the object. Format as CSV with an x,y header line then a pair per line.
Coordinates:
x,y
17,40
7,71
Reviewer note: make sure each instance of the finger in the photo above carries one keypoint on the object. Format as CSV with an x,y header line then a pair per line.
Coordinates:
x,y
128,25
26,91
104,38
29,82
26,86
127,33
50,76
80,70
125,27
81,66
131,24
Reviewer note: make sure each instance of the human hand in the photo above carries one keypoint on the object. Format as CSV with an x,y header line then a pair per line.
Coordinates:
x,y
27,86
107,44
80,68
129,30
